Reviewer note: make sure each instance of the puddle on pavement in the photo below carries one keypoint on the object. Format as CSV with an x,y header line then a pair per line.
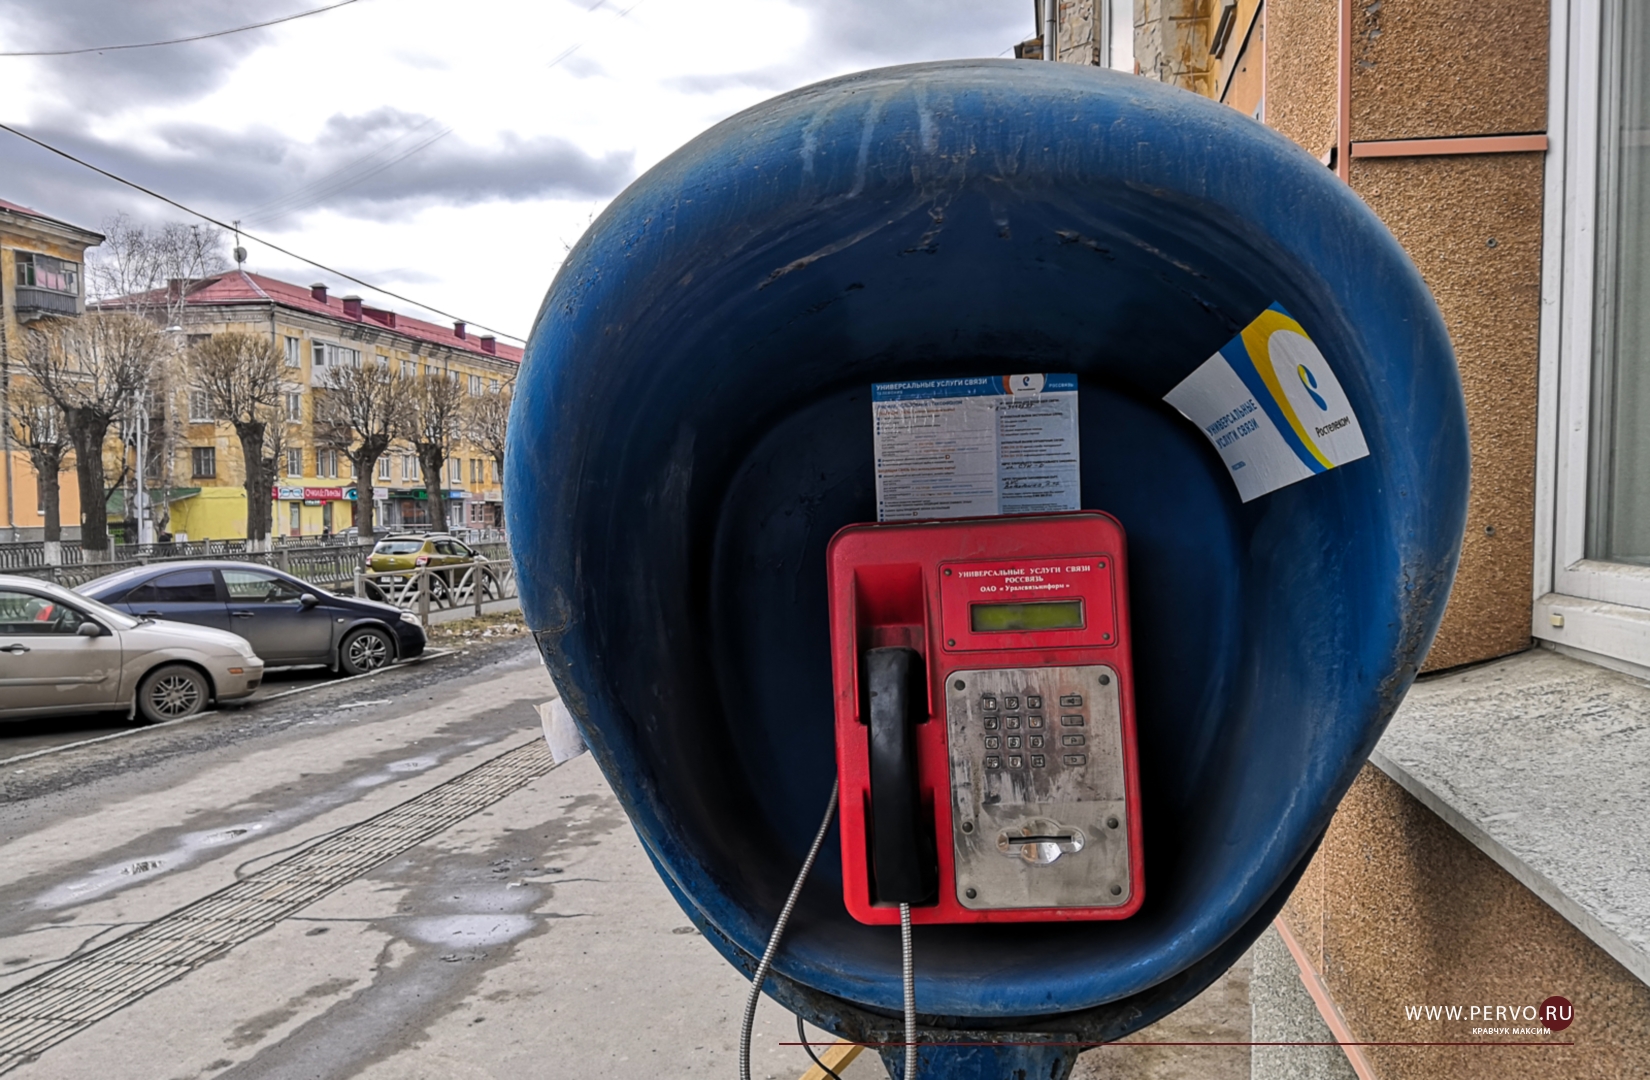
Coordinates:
x,y
192,846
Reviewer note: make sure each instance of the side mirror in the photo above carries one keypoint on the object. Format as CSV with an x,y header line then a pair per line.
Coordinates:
x,y
89,629
308,600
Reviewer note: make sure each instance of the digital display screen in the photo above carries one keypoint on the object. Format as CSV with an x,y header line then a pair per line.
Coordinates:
x,y
1038,615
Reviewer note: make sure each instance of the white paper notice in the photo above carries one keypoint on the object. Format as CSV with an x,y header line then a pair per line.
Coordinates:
x,y
1271,407
982,446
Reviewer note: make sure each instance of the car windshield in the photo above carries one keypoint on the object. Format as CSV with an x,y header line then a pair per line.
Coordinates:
x,y
399,547
104,613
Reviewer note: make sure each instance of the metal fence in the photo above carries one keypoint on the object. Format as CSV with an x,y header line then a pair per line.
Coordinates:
x,y
337,567
440,588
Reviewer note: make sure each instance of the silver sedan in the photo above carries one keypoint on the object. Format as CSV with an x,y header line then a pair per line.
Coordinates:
x,y
61,652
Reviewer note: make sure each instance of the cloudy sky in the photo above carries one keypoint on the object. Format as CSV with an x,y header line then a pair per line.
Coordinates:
x,y
450,151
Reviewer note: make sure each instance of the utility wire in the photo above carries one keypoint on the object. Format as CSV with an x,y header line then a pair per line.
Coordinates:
x,y
183,40
314,199
242,232
313,187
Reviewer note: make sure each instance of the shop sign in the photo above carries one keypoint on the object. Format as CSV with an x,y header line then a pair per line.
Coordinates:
x,y
313,495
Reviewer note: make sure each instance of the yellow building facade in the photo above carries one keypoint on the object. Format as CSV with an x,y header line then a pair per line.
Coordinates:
x,y
42,264
316,492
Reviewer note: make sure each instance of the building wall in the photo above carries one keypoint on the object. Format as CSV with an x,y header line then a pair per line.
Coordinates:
x,y
19,489
1397,909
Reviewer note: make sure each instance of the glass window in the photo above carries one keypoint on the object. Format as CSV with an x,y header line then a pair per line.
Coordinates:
x,y
203,461
26,614
383,468
182,587
260,587
1618,527
45,272
295,462
398,547
294,350
200,407
294,407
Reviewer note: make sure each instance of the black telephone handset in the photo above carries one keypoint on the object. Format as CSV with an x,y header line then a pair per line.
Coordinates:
x,y
903,855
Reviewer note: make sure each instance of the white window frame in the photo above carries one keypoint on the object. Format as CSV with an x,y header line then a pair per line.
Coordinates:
x,y
295,456
1597,610
294,352
384,467
294,406
200,408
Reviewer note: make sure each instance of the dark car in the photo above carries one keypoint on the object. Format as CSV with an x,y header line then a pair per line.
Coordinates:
x,y
288,621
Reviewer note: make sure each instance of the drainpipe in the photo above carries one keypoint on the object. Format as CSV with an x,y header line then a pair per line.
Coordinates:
x,y
1051,29
5,402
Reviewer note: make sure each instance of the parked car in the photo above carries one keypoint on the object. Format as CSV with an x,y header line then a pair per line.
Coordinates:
x,y
442,552
290,622
64,653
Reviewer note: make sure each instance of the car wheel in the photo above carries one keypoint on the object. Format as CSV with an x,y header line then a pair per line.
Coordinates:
x,y
172,692
364,650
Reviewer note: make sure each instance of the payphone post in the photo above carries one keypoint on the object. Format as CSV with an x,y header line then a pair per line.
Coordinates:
x,y
985,720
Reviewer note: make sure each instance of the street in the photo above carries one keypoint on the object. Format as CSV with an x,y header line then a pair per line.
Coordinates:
x,y
530,936
378,878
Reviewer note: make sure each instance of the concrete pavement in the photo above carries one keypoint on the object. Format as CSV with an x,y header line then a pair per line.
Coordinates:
x,y
530,938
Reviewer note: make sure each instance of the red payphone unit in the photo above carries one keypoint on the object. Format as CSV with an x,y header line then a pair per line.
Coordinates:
x,y
985,720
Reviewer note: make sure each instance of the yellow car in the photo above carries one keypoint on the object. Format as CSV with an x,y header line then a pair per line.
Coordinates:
x,y
437,551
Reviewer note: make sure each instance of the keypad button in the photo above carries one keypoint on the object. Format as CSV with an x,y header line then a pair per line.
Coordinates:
x,y
1012,723
1071,701
1036,742
988,703
1036,761
1013,742
992,761
991,723
1071,721
1011,702
1071,740
991,742
1033,701
1015,761
1074,759
1034,721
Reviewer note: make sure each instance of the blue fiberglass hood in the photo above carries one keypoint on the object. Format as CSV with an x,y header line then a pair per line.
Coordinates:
x,y
692,424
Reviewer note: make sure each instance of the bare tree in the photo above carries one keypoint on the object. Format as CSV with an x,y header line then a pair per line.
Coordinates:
x,y
359,412
240,374
487,422
37,426
149,268
434,422
90,368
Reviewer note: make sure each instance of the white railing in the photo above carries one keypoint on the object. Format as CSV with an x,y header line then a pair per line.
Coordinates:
x,y
440,588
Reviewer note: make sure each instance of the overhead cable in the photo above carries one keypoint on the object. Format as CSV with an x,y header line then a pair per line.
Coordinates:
x,y
242,232
182,40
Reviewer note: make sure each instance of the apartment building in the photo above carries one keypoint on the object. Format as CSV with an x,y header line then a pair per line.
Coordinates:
x,y
42,263
316,491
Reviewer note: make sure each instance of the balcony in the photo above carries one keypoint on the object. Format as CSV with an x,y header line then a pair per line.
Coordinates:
x,y
33,301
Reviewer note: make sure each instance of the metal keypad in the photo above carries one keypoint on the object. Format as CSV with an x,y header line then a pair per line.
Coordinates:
x,y
1006,801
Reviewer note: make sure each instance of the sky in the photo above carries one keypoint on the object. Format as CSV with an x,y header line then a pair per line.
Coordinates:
x,y
448,150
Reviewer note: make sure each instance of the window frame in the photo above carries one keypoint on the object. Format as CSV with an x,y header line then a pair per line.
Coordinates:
x,y
198,454
1591,608
295,456
294,349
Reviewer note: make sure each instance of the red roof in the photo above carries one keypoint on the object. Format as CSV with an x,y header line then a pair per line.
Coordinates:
x,y
240,287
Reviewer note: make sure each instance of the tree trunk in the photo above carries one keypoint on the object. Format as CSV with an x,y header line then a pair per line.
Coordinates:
x,y
51,496
431,459
364,468
86,432
257,485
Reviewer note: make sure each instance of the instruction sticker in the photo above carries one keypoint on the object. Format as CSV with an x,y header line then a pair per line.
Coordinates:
x,y
1004,444
1272,408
